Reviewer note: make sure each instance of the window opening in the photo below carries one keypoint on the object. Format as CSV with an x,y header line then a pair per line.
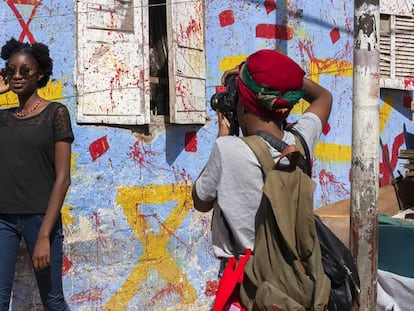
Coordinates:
x,y
158,46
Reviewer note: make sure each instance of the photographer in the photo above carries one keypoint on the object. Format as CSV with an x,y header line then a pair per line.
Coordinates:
x,y
269,84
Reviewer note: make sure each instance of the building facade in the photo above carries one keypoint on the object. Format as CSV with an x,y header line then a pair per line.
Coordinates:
x,y
137,78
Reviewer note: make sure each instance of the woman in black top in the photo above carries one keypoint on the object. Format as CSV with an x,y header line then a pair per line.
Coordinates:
x,y
35,152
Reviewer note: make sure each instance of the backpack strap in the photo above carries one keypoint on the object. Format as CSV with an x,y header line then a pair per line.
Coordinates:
x,y
305,165
262,153
302,160
261,150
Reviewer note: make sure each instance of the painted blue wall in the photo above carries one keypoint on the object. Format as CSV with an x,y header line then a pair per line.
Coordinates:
x,y
162,259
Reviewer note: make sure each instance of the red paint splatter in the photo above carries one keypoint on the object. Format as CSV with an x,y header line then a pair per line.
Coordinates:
x,y
211,288
95,217
139,155
185,32
272,31
270,6
329,184
25,25
180,176
385,174
335,35
191,142
95,294
67,265
226,18
99,240
98,147
305,47
408,83
182,92
115,83
326,129
407,101
193,27
170,289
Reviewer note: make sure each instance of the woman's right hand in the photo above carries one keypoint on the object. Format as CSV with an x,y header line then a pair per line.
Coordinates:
x,y
4,86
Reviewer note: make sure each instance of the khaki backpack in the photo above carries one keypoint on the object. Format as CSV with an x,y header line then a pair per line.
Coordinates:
x,y
285,271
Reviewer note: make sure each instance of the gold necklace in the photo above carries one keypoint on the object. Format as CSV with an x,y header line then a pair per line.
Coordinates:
x,y
21,114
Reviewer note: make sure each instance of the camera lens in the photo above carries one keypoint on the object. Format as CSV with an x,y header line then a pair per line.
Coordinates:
x,y
217,100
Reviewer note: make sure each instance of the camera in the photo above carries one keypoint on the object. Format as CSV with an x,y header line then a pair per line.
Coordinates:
x,y
226,103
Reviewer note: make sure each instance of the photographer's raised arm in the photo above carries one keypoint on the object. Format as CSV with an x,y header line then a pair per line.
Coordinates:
x,y
320,100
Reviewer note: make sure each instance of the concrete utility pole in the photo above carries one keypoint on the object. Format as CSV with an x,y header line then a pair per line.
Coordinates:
x,y
365,149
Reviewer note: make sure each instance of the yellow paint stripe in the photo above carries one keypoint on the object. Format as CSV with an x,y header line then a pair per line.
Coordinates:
x,y
230,62
333,152
385,112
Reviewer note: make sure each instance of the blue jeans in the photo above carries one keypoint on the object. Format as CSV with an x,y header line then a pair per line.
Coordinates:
x,y
12,229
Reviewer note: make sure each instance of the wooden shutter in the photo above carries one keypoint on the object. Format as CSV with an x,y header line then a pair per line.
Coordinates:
x,y
185,27
404,47
396,52
112,75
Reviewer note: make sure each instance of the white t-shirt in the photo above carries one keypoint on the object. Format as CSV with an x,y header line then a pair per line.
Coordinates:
x,y
233,177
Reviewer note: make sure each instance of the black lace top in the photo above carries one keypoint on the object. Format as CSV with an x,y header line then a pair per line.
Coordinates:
x,y
27,157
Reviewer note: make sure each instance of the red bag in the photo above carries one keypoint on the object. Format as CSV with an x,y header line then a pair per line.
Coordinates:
x,y
228,292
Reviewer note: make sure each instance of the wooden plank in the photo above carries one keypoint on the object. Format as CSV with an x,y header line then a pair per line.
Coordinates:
x,y
410,166
336,216
406,154
387,204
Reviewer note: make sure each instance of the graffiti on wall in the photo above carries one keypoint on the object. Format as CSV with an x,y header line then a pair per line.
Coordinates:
x,y
155,255
24,24
328,151
130,209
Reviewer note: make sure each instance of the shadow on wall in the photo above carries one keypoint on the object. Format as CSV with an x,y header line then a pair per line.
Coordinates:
x,y
401,100
409,138
178,139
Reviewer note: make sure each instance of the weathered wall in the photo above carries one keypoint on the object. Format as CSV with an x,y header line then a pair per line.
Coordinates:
x,y
133,241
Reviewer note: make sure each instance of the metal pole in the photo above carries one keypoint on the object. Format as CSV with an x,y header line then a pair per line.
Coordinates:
x,y
365,149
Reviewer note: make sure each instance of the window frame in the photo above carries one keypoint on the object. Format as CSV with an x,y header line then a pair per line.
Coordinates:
x,y
186,64
396,67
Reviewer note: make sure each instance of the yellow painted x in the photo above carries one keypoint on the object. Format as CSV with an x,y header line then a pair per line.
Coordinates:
x,y
155,255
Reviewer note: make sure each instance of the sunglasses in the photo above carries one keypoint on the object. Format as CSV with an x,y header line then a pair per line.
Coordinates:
x,y
24,71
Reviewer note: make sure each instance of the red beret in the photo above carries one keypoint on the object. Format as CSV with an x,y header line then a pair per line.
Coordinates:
x,y
270,74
